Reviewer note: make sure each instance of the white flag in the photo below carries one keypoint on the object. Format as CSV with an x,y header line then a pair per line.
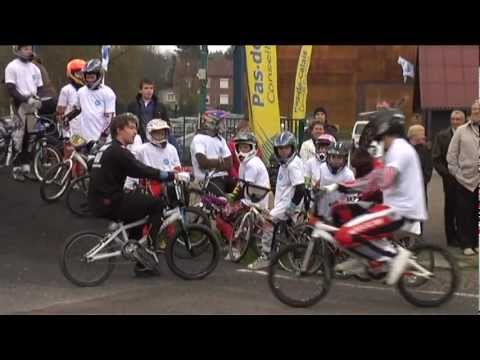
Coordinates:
x,y
407,68
105,56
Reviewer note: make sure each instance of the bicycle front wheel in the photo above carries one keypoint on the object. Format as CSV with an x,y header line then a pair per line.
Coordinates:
x,y
297,287
433,290
243,231
74,265
77,196
55,182
46,158
188,261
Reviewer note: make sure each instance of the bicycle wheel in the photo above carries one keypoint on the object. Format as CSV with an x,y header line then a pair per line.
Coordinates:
x,y
243,230
73,263
436,290
195,215
199,261
46,158
55,182
298,234
77,196
299,288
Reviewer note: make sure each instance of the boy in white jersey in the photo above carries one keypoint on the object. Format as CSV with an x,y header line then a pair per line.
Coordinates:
x,y
403,196
96,102
289,192
67,99
332,171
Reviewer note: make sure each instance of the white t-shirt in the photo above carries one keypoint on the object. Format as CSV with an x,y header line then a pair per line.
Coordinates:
x,y
26,77
212,148
288,177
94,105
407,195
255,172
307,150
68,98
164,159
322,174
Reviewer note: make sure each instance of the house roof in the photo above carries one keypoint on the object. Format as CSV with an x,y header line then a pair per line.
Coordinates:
x,y
448,76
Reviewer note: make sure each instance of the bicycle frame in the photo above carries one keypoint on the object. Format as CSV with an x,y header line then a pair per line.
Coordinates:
x,y
171,216
324,231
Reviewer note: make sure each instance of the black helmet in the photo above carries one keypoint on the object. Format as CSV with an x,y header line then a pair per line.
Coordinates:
x,y
285,138
245,138
388,122
16,51
93,66
341,148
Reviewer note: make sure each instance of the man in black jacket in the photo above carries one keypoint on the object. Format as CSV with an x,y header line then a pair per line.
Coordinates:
x,y
113,163
439,156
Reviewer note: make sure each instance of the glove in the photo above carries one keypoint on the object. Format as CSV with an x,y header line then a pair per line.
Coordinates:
x,y
329,188
230,197
291,210
182,177
34,102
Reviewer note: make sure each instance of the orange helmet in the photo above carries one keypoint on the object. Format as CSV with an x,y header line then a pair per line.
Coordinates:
x,y
74,71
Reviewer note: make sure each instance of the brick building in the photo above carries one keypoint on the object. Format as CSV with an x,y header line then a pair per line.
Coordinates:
x,y
220,83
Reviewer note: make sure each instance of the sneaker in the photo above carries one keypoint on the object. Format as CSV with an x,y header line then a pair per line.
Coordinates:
x,y
236,254
18,174
469,252
398,265
350,266
26,168
261,263
142,272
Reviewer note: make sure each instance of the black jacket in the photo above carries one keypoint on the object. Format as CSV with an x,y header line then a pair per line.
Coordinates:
x,y
111,167
425,156
439,152
135,108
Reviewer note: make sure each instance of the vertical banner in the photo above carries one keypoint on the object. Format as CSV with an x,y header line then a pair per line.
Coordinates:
x,y
301,85
263,103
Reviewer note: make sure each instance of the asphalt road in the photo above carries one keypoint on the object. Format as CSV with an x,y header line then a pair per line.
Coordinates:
x,y
32,232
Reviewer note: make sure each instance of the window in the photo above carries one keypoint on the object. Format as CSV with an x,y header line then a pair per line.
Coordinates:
x,y
208,100
223,83
223,99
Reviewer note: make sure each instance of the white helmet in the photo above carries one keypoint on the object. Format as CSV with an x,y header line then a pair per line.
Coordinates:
x,y
154,125
245,138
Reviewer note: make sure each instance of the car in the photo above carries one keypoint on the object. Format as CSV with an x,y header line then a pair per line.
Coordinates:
x,y
357,131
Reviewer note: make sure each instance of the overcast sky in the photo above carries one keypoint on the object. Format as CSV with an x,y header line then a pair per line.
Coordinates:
x,y
211,48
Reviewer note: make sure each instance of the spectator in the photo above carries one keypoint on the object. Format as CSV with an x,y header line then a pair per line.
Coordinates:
x,y
439,156
416,136
321,114
48,89
462,159
307,150
23,80
242,126
416,119
146,105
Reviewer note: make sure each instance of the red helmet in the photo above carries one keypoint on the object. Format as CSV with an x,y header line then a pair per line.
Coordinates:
x,y
74,71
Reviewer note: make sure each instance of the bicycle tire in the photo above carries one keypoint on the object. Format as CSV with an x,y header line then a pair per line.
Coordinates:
x,y
171,256
407,290
241,236
275,272
49,180
38,163
66,269
79,206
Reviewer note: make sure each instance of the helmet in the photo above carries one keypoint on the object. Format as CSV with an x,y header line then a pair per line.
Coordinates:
x,y
211,120
337,149
74,71
93,66
388,122
323,141
16,51
157,124
285,138
245,138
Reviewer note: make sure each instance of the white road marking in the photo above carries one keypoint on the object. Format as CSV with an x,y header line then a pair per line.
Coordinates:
x,y
342,283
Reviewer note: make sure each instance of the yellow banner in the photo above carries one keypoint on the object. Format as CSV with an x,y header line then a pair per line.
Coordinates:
x,y
301,86
263,105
